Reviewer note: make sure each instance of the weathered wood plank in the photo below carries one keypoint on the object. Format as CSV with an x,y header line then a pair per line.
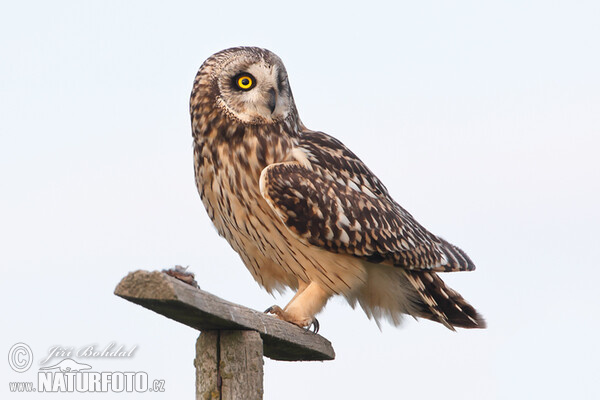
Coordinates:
x,y
204,311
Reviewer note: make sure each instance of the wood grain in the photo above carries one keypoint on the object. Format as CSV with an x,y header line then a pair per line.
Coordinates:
x,y
206,312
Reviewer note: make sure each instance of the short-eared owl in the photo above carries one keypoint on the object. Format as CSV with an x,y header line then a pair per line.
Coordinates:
x,y
303,211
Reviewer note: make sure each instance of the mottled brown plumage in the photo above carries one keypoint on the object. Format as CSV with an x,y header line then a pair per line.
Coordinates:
x,y
303,211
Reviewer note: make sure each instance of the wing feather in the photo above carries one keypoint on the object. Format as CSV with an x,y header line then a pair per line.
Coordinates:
x,y
335,202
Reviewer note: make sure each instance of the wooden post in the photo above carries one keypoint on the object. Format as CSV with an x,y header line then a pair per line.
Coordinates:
x,y
208,379
229,365
230,349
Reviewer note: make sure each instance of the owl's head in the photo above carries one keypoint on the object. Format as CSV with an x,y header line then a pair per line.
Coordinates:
x,y
248,84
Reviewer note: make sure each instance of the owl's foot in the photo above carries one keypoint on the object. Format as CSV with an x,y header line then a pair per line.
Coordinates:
x,y
302,322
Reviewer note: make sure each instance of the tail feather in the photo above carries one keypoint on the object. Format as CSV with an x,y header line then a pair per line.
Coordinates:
x,y
442,304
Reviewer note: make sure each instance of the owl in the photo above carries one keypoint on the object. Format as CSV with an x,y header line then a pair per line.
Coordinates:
x,y
303,211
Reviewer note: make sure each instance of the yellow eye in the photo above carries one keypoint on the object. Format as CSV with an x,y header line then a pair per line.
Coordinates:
x,y
245,81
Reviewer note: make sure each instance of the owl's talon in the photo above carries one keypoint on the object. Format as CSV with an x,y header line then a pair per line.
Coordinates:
x,y
314,325
275,310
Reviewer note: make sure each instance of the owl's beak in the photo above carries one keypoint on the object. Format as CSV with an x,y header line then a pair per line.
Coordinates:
x,y
272,100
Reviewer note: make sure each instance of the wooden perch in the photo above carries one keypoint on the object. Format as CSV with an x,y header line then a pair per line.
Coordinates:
x,y
206,312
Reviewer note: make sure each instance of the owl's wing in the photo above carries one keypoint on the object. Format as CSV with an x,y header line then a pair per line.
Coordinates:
x,y
335,202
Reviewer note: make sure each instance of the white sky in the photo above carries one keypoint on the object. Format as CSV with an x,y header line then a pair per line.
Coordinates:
x,y
482,118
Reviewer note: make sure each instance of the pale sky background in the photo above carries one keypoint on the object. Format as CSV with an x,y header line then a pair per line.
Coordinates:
x,y
482,119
